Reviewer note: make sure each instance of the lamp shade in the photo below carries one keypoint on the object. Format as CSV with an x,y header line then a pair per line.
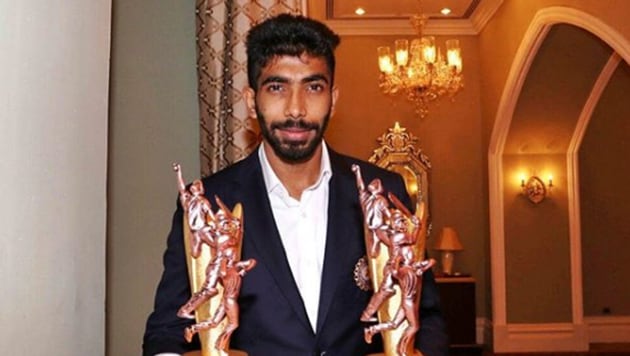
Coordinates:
x,y
448,240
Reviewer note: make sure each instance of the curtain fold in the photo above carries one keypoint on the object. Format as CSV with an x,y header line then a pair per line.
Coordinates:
x,y
227,134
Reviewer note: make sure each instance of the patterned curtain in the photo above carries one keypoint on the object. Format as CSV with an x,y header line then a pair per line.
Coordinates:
x,y
227,134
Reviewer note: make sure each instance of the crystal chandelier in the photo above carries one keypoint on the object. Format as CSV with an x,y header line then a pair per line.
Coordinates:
x,y
418,70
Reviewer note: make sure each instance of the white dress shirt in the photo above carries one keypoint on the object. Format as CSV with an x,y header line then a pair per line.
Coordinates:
x,y
302,226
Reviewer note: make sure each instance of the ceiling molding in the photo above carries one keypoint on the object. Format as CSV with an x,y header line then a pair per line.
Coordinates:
x,y
483,13
383,27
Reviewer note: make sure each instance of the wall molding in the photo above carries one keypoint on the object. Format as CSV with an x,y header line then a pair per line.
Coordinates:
x,y
523,59
529,337
548,337
400,27
608,328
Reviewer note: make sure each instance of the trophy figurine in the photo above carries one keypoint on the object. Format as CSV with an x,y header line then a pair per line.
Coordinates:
x,y
213,254
395,269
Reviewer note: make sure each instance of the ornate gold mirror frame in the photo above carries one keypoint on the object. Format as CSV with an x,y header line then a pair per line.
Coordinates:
x,y
398,152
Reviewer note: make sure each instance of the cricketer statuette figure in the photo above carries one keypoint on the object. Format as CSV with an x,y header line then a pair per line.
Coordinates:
x,y
395,270
213,250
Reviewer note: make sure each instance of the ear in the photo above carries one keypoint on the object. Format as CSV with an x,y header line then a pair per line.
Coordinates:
x,y
335,95
250,101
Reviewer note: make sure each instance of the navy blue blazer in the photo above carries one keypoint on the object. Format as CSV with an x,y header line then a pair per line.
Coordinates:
x,y
273,320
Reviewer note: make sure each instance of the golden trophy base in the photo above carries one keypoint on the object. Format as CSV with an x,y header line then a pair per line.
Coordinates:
x,y
415,353
228,353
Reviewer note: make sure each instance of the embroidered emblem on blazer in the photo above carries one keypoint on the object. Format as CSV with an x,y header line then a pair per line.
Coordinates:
x,y
362,274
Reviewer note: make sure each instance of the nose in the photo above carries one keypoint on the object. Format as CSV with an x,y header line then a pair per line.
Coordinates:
x,y
296,105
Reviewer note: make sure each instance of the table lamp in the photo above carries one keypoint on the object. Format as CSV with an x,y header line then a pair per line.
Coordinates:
x,y
448,242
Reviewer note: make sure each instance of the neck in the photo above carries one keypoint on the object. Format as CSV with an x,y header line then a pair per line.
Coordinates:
x,y
295,176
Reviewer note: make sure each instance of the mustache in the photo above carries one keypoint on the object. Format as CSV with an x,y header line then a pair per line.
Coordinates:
x,y
292,123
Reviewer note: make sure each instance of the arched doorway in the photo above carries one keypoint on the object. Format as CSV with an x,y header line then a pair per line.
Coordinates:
x,y
536,256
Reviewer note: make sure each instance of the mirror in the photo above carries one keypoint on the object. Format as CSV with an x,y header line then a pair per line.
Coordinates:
x,y
398,153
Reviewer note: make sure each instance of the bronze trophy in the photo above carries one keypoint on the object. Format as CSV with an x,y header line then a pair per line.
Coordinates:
x,y
395,243
213,243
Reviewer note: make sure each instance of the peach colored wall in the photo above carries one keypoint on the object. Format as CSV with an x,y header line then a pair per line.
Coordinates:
x,y
502,36
456,166
498,43
450,136
537,244
604,185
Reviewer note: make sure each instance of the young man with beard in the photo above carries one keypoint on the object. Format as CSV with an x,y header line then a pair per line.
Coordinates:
x,y
303,223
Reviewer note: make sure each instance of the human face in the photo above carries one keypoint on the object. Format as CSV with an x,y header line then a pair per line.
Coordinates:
x,y
293,103
400,223
375,186
196,188
227,226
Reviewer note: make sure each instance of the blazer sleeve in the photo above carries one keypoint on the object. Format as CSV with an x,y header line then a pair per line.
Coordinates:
x,y
164,329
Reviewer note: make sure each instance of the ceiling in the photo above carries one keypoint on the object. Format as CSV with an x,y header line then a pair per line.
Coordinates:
x,y
391,17
345,9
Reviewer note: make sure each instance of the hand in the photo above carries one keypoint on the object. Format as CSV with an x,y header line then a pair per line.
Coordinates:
x,y
176,167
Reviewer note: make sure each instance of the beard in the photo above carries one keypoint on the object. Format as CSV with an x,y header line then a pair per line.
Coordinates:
x,y
293,151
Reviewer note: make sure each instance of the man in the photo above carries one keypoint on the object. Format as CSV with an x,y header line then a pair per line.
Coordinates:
x,y
303,221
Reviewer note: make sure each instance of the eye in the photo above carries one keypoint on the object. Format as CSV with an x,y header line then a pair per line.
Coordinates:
x,y
274,87
315,87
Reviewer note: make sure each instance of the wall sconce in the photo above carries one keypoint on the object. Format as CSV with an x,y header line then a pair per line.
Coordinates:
x,y
448,242
534,188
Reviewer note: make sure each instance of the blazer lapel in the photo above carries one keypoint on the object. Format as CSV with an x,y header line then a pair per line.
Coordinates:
x,y
339,216
261,232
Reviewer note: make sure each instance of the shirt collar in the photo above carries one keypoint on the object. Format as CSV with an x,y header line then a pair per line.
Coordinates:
x,y
272,182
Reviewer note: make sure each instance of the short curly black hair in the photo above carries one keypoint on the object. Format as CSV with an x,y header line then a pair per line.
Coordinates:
x,y
290,35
